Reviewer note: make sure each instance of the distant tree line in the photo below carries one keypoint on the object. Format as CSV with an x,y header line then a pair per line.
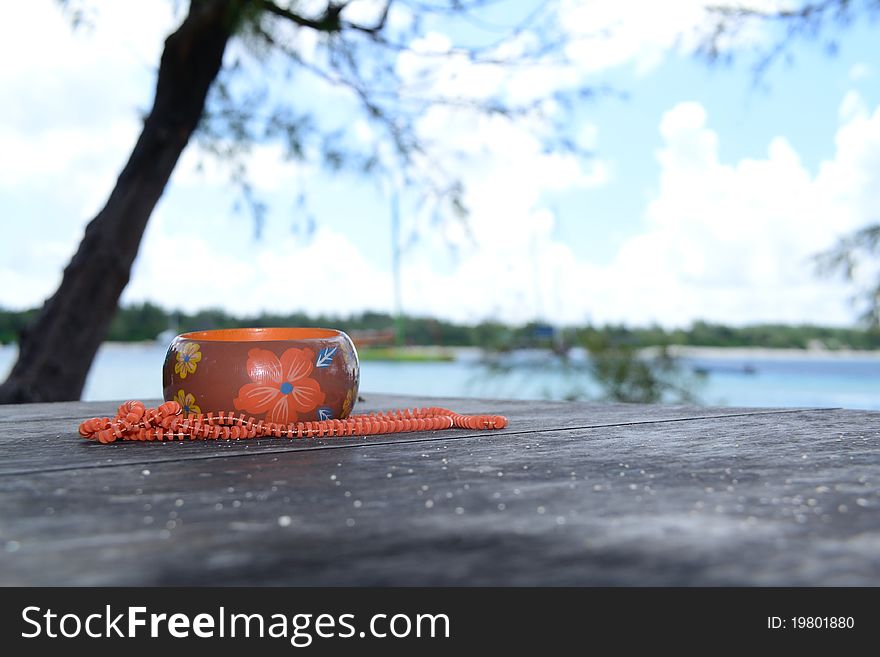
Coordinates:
x,y
146,321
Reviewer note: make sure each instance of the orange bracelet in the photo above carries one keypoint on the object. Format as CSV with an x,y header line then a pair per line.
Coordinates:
x,y
136,422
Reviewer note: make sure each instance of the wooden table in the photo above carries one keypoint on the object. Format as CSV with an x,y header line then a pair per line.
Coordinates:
x,y
569,494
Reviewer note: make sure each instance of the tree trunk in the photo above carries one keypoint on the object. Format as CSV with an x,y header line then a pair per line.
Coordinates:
x,y
56,350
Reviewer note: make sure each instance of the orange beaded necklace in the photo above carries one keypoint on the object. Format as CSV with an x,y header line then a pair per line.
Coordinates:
x,y
134,421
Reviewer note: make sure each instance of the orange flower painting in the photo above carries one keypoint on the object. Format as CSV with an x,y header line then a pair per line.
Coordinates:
x,y
280,387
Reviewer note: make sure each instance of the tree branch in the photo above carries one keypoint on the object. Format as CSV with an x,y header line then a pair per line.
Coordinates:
x,y
331,21
375,28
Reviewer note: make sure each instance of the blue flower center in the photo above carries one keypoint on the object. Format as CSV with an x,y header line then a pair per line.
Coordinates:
x,y
286,388
186,358
186,410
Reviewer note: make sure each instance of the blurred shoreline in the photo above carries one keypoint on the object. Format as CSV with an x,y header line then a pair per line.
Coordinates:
x,y
460,353
681,351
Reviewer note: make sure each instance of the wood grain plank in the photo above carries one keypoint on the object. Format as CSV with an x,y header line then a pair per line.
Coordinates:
x,y
49,441
773,499
19,413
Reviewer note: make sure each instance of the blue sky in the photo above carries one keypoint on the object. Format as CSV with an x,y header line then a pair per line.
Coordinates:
x,y
706,196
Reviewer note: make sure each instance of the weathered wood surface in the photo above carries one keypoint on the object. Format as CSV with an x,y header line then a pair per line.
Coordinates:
x,y
568,494
39,442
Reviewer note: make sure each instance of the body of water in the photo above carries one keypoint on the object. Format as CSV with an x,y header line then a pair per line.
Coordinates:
x,y
732,377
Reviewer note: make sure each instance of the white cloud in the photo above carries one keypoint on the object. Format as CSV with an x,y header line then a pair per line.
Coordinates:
x,y
364,12
505,168
72,95
860,71
734,242
67,124
52,67
595,37
278,273
267,167
852,107
605,35
727,242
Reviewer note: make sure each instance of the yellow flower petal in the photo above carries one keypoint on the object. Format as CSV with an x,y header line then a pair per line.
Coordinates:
x,y
187,402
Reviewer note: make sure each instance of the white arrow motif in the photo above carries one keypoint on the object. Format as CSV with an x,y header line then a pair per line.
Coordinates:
x,y
325,357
